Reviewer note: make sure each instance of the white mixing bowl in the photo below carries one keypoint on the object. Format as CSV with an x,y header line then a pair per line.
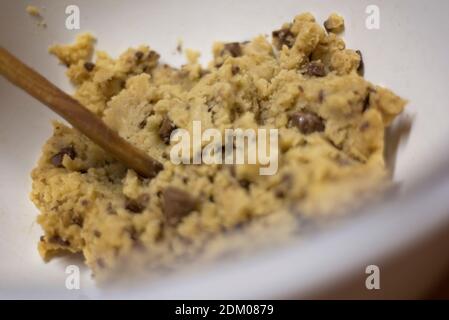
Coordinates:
x,y
406,236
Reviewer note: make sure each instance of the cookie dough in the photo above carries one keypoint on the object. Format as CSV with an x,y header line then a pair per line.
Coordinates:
x,y
304,82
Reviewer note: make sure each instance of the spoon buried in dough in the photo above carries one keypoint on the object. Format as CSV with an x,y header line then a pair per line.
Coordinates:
x,y
77,115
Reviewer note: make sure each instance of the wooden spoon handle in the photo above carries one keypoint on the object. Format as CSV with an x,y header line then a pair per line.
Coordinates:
x,y
77,115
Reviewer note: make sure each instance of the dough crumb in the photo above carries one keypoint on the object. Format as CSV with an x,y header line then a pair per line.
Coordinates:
x,y
335,24
33,11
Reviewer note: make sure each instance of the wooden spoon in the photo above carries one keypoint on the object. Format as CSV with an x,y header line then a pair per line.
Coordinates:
x,y
77,115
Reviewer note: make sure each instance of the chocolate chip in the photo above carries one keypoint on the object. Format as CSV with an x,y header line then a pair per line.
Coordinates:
x,y
133,234
307,122
57,159
89,66
284,186
41,238
138,55
234,49
328,26
137,205
366,102
361,67
235,70
135,237
315,69
142,124
244,184
177,204
166,129
165,155
97,233
110,210
58,240
283,37
204,72
364,126
134,206
343,161
153,55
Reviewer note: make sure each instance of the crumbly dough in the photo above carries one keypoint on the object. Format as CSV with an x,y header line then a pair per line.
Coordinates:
x,y
305,83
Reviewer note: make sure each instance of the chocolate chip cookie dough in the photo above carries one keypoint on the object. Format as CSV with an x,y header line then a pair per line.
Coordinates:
x,y
305,83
